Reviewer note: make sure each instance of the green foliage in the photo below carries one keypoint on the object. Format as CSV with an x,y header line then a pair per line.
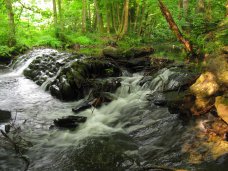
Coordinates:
x,y
83,40
34,26
48,40
5,51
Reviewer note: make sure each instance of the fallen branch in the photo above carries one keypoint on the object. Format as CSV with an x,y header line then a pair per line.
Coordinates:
x,y
17,150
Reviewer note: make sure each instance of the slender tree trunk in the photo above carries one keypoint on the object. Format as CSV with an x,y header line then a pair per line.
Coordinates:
x,y
142,17
12,39
108,18
89,16
83,16
173,26
114,18
60,10
98,16
94,20
180,7
136,17
55,15
200,6
61,35
126,15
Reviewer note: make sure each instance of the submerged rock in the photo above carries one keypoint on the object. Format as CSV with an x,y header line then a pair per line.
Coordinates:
x,y
69,121
5,115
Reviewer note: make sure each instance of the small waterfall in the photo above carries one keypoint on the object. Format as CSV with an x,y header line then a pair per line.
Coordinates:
x,y
23,61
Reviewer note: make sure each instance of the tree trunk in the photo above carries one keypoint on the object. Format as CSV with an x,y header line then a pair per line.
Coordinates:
x,y
89,16
173,26
126,15
114,18
136,16
55,14
142,17
60,19
108,18
83,16
180,7
12,39
98,16
200,6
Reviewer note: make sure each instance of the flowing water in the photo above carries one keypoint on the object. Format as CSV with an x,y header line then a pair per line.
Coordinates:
x,y
129,133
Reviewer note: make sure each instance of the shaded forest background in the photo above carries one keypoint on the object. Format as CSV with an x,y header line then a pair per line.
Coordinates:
x,y
95,23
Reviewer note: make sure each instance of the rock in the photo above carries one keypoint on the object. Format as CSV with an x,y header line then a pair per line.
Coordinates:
x,y
5,115
71,77
205,85
112,52
85,105
170,79
134,59
159,99
3,67
158,63
181,104
137,64
221,104
69,121
138,52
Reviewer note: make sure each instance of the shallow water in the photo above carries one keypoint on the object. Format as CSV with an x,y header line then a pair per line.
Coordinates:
x,y
127,134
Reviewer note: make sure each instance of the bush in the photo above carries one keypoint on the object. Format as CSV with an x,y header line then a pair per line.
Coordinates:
x,y
5,52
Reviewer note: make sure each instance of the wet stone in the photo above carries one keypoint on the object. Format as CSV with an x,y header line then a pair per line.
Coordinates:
x,y
81,107
69,121
5,115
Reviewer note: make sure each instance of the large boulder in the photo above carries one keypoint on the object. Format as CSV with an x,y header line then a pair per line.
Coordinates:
x,y
205,85
70,77
77,79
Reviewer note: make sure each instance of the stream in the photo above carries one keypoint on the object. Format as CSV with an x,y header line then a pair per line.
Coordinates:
x,y
129,133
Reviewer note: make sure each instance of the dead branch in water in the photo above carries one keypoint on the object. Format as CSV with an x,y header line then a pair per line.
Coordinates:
x,y
17,150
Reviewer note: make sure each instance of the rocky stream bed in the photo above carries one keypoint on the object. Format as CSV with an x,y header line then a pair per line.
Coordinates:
x,y
63,111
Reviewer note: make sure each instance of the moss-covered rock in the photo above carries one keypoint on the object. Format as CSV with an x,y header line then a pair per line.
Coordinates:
x,y
138,52
112,52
